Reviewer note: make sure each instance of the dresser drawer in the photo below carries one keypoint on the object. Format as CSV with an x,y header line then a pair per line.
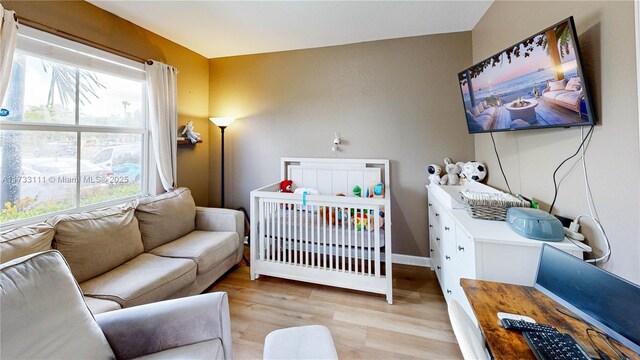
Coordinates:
x,y
464,250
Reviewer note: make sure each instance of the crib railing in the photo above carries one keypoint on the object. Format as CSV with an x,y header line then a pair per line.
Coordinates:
x,y
330,240
322,236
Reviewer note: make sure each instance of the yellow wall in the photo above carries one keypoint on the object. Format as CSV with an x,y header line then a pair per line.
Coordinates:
x,y
393,99
85,20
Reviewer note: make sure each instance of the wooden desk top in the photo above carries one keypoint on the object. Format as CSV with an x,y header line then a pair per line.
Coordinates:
x,y
488,298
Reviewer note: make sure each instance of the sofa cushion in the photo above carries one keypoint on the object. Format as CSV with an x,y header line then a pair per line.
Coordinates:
x,y
98,241
570,98
557,85
146,278
573,84
25,240
98,306
488,111
206,248
43,312
484,121
166,217
476,110
210,349
552,94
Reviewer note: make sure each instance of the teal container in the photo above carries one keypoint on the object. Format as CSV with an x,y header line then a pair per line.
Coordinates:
x,y
535,224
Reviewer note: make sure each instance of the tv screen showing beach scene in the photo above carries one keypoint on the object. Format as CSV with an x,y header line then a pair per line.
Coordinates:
x,y
535,83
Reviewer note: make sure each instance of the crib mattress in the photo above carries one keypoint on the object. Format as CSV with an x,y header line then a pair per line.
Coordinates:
x,y
296,231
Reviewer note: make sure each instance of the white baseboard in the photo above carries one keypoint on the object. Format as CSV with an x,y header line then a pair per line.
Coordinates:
x,y
411,260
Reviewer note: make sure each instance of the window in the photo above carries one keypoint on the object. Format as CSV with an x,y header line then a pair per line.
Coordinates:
x,y
74,132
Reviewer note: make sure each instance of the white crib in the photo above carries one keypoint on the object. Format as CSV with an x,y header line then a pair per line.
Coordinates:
x,y
301,237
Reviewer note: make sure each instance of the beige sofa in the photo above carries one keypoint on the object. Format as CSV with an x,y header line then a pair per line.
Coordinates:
x,y
153,249
45,317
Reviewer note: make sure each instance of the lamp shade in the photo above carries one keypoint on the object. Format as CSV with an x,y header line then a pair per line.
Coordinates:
x,y
222,121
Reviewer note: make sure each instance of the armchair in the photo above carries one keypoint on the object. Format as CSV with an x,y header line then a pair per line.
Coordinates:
x,y
44,316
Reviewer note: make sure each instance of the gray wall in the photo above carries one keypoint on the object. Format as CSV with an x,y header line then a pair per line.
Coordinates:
x,y
606,35
395,99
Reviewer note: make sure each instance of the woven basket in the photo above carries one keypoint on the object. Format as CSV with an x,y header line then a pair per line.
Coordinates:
x,y
490,206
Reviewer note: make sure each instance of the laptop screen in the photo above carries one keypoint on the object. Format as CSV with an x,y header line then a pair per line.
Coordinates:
x,y
599,297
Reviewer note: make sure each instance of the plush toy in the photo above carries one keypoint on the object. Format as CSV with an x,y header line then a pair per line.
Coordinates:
x,y
474,171
360,221
192,136
375,190
380,213
286,186
357,191
342,216
434,173
452,177
327,213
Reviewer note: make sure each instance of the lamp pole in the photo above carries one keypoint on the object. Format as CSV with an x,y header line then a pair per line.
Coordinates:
x,y
222,165
222,123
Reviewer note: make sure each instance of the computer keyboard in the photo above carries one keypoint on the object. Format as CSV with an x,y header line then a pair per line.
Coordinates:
x,y
554,346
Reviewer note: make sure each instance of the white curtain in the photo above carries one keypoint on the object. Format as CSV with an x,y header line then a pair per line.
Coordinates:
x,y
163,119
8,39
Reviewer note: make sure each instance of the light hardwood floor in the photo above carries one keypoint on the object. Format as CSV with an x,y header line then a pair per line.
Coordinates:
x,y
363,325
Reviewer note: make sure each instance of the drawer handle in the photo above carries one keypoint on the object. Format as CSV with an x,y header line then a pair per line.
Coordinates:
x,y
447,228
447,257
460,248
430,204
430,226
437,239
448,291
431,250
438,266
437,214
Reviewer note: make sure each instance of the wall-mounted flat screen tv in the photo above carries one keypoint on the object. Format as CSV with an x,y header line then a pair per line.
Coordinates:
x,y
536,83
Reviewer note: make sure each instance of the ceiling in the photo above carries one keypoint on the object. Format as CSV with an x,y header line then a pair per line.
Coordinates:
x,y
228,28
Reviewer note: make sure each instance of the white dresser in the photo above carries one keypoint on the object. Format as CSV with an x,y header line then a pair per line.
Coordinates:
x,y
464,247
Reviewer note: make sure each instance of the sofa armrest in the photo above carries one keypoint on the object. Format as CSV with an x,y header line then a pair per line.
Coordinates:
x,y
217,219
151,328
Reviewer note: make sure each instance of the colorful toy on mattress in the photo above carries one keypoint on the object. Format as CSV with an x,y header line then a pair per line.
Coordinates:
x,y
328,215
361,221
367,219
375,190
381,214
356,191
286,186
342,217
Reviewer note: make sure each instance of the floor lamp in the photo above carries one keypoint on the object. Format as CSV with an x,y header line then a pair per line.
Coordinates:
x,y
222,123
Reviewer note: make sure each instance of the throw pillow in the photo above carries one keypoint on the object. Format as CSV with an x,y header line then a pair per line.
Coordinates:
x,y
25,240
97,241
166,217
557,85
